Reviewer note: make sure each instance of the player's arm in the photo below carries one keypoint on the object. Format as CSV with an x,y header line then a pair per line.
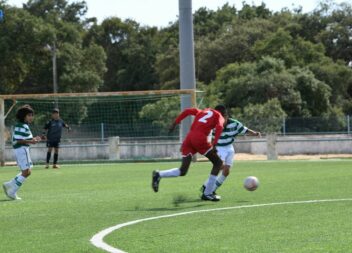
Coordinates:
x,y
66,126
251,132
184,114
218,129
45,130
29,141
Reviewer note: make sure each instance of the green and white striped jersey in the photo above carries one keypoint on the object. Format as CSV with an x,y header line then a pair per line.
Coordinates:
x,y
231,130
21,131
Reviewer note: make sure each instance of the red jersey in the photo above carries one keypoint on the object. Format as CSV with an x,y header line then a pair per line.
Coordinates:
x,y
205,120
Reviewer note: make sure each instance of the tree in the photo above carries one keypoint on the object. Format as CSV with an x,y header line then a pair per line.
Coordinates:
x,y
233,45
131,52
266,117
299,92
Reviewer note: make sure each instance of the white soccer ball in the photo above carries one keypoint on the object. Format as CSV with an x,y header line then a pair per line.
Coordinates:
x,y
251,183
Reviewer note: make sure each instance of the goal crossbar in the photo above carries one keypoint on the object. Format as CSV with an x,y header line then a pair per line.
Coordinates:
x,y
14,97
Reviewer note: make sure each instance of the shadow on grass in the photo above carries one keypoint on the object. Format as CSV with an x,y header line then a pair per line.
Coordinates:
x,y
5,200
158,209
182,202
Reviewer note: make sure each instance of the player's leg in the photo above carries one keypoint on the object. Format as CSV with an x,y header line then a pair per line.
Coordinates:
x,y
222,176
56,155
222,153
175,172
25,163
210,186
48,154
227,157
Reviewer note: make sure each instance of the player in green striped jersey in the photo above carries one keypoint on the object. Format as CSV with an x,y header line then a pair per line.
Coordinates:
x,y
21,139
225,148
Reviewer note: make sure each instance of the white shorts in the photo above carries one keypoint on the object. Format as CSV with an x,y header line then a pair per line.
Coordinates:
x,y
23,158
226,153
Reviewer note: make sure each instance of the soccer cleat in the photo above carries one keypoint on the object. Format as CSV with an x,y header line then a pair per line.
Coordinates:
x,y
155,180
14,196
202,189
47,166
55,166
9,191
211,197
7,188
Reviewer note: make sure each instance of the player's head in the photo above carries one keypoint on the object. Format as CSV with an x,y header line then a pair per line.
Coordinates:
x,y
25,114
222,109
55,113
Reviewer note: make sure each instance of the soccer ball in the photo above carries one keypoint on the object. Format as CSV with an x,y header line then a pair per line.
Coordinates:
x,y
251,183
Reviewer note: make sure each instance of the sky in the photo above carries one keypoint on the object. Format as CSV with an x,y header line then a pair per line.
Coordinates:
x,y
160,12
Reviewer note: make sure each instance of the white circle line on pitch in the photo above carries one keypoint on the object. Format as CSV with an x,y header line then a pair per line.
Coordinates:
x,y
98,239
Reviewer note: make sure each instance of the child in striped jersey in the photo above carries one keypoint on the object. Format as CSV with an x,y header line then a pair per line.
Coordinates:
x,y
225,148
21,139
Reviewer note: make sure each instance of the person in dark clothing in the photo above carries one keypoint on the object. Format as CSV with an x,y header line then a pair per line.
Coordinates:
x,y
53,132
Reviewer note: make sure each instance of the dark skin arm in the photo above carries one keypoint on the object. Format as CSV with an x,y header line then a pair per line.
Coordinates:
x,y
251,132
68,127
172,127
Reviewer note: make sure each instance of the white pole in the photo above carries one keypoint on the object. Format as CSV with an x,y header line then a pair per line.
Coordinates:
x,y
55,89
187,62
2,132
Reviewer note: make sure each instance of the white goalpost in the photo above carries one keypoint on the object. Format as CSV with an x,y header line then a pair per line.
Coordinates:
x,y
106,125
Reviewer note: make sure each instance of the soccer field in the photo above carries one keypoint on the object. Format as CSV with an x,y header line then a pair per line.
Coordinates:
x,y
63,209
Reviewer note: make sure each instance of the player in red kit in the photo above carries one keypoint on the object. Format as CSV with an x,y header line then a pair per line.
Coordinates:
x,y
197,142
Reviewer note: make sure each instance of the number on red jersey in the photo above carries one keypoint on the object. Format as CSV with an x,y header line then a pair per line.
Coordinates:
x,y
205,117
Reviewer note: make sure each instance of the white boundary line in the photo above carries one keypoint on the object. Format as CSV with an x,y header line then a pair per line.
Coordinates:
x,y
98,239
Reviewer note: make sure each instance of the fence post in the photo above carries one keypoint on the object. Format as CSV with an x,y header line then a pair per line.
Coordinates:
x,y
348,124
102,134
283,125
114,148
271,149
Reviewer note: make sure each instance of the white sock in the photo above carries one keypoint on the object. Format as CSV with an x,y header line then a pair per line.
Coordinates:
x,y
219,181
17,182
209,187
170,173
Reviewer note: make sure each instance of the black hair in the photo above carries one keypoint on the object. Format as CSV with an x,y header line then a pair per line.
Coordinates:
x,y
222,109
23,111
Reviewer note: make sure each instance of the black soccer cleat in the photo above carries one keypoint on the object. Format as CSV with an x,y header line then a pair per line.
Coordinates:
x,y
202,189
211,197
155,180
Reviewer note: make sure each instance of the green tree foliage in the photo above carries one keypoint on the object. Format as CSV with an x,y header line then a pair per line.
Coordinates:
x,y
26,35
266,117
131,52
161,113
246,55
299,92
229,46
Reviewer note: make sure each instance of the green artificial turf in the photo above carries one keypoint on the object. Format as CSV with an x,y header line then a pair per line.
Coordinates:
x,y
62,209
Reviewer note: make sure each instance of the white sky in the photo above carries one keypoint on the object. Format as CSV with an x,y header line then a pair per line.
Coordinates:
x,y
161,12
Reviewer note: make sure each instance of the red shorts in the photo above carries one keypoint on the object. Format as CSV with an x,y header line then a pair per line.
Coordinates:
x,y
195,142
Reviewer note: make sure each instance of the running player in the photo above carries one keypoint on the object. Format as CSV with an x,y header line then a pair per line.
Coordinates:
x,y
225,148
21,139
196,141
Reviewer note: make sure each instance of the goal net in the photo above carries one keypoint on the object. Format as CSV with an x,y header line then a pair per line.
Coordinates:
x,y
104,126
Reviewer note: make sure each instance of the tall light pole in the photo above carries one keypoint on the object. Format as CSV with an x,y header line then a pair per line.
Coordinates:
x,y
187,62
53,52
